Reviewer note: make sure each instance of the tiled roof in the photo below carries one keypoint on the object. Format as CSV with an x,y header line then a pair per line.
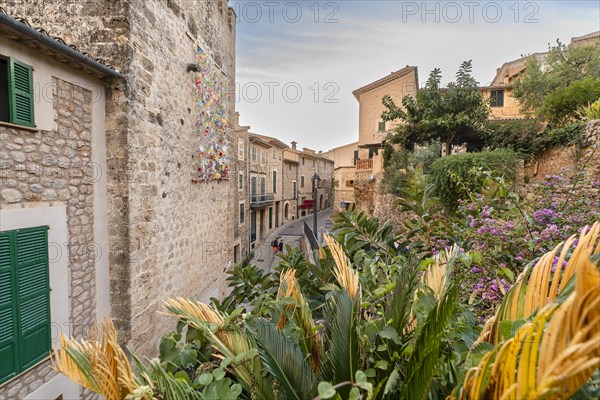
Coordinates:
x,y
20,29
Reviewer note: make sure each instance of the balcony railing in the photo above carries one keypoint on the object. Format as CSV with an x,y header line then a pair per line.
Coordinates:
x,y
261,199
364,165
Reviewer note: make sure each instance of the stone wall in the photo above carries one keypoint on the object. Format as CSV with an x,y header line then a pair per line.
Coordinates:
x,y
45,168
569,160
167,237
372,198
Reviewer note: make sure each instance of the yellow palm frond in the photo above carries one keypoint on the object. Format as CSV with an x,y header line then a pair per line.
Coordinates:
x,y
346,276
228,341
554,354
436,274
302,315
98,364
538,285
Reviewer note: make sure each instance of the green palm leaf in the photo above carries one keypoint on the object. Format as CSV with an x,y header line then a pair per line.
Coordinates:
x,y
423,362
341,357
399,309
286,362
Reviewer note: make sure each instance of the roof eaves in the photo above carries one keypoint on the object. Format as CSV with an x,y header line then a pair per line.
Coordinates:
x,y
22,27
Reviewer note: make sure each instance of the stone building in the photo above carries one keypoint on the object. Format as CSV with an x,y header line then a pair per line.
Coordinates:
x,y
311,163
344,173
372,130
242,243
54,235
291,160
499,91
169,142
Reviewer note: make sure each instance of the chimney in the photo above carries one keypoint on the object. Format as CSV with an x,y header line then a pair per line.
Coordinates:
x,y
294,145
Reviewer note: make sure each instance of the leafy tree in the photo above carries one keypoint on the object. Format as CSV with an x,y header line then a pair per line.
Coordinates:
x,y
451,115
564,82
561,105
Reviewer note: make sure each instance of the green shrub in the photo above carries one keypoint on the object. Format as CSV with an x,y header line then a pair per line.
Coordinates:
x,y
397,161
528,138
560,107
455,176
566,136
522,135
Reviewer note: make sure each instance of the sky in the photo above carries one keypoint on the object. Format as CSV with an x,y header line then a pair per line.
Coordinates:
x,y
298,62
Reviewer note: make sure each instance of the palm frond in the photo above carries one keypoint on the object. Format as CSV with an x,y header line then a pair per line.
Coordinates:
x,y
398,312
286,362
424,360
346,276
437,274
341,358
172,389
555,353
302,316
98,363
538,285
228,341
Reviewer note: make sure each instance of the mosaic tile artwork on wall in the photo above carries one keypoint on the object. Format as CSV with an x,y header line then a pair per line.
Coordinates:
x,y
211,154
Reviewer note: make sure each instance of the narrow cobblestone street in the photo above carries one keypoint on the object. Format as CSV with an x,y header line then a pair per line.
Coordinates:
x,y
264,257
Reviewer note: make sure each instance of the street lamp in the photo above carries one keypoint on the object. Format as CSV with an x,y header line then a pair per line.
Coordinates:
x,y
315,179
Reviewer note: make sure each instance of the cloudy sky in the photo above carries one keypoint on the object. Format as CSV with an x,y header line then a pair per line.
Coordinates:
x,y
299,61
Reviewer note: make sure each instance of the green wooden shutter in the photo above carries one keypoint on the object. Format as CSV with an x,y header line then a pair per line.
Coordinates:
x,y
20,89
33,289
24,300
8,318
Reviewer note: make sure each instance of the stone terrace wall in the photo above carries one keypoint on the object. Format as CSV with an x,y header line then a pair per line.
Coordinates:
x,y
570,159
45,168
167,237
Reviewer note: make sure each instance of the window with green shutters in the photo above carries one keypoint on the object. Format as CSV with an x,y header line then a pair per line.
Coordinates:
x,y
24,300
16,92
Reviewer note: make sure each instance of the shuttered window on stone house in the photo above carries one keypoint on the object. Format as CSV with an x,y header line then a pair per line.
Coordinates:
x,y
16,92
24,300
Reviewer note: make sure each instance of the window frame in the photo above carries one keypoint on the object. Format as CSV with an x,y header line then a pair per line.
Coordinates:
x,y
263,157
241,150
25,94
496,94
16,299
242,213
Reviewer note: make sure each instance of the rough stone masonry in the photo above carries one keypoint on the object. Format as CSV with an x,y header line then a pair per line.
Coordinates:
x,y
167,237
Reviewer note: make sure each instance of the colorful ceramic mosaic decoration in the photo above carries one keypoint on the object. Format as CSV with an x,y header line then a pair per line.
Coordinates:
x,y
211,155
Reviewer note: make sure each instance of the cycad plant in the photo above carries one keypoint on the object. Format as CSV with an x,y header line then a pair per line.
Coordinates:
x,y
546,332
388,326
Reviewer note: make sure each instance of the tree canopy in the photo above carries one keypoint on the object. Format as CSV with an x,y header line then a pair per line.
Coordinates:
x,y
558,87
451,115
